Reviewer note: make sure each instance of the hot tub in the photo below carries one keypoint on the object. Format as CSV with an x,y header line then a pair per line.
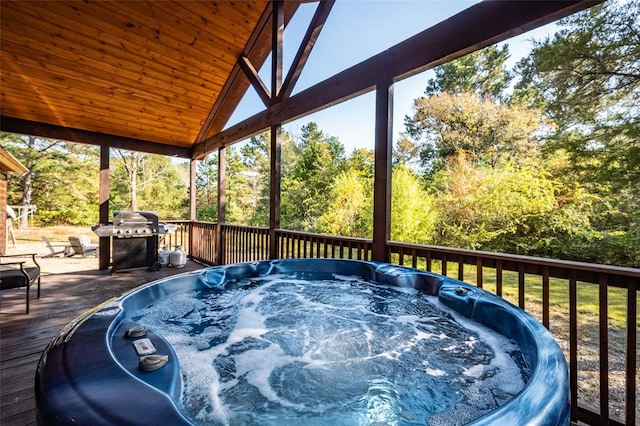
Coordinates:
x,y
89,373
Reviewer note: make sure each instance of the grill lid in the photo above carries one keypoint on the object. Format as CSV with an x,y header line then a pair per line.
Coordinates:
x,y
130,219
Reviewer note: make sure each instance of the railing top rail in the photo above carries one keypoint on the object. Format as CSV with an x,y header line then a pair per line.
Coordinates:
x,y
180,221
553,263
327,236
246,227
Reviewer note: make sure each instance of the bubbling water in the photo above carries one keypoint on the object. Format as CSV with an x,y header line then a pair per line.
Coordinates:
x,y
285,350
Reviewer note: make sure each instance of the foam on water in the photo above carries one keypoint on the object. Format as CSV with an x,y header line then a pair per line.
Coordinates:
x,y
284,350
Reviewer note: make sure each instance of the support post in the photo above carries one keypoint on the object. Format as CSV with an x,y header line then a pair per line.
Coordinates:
x,y
277,41
192,201
222,205
277,37
382,173
274,189
104,244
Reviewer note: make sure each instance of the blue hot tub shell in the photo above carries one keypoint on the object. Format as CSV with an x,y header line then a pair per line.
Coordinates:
x,y
89,372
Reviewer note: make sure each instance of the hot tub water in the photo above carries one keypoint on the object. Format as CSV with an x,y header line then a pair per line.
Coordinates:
x,y
282,348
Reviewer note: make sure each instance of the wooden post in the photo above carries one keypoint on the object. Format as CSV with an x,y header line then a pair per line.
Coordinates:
x,y
104,245
277,40
192,201
276,130
382,173
274,188
192,189
222,205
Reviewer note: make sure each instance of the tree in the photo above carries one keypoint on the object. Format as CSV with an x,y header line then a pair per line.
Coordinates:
x,y
141,181
349,211
589,71
413,217
482,72
306,189
58,180
587,79
446,124
406,151
207,188
256,157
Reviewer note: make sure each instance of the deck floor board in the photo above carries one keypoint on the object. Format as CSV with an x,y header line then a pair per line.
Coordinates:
x,y
23,337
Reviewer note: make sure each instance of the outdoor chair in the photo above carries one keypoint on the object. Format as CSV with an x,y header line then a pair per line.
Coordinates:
x,y
56,249
82,245
14,274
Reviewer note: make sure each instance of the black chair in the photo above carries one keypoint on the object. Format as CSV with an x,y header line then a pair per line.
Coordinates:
x,y
14,273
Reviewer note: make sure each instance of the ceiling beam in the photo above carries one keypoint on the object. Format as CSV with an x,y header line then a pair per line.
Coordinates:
x,y
457,36
51,131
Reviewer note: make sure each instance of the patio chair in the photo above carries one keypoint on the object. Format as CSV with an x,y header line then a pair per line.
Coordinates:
x,y
55,249
14,274
82,245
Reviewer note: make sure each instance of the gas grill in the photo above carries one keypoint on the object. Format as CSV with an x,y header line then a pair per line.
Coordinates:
x,y
134,238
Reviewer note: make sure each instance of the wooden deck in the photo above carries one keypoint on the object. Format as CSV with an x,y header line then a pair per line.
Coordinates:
x,y
23,337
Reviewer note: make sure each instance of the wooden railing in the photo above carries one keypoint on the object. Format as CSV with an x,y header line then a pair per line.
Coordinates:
x,y
293,244
244,243
571,299
204,242
179,237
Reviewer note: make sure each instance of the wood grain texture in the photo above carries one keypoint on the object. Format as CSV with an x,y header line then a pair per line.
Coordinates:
x,y
143,70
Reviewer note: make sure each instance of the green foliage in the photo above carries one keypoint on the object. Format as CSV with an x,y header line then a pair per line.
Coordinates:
x,y
207,188
589,71
349,208
59,182
503,208
413,218
447,124
482,72
151,182
305,191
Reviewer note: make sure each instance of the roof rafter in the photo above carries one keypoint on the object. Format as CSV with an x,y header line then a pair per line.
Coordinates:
x,y
255,80
257,51
309,40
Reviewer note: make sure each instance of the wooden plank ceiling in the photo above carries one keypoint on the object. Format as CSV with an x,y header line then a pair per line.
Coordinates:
x,y
162,72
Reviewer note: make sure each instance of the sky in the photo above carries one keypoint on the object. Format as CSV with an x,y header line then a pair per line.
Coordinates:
x,y
355,31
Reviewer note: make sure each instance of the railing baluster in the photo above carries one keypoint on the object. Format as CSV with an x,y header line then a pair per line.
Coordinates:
x,y
479,277
545,297
499,278
521,289
461,270
604,349
573,345
632,352
444,264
